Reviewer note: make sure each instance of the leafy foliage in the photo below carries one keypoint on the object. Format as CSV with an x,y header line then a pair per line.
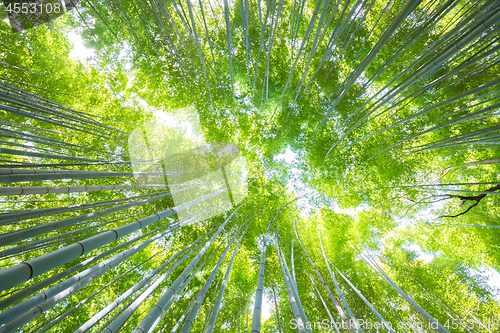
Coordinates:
x,y
390,109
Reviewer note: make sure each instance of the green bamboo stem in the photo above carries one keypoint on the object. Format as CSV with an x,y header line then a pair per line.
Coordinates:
x,y
18,235
426,52
435,64
301,49
332,298
201,295
230,55
93,271
256,318
386,324
12,276
418,308
4,303
407,9
5,191
161,305
339,291
74,308
292,298
139,285
44,241
324,304
215,310
16,152
17,216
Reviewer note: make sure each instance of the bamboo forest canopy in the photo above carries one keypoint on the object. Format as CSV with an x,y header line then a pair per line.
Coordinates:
x,y
249,166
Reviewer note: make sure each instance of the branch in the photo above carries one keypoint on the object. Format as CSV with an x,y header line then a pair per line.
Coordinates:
x,y
475,198
462,213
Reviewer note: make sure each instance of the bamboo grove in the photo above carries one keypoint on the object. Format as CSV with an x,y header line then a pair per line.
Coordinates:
x,y
332,165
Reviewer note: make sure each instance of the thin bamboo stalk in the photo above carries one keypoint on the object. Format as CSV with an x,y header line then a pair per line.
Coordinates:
x,y
220,295
230,54
256,318
339,291
74,308
17,216
12,276
161,305
18,190
139,285
202,293
293,295
385,324
339,309
432,321
324,305
21,234
44,241
94,271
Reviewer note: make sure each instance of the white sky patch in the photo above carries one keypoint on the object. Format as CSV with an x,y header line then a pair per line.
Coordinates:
x,y
301,189
289,156
493,280
267,307
192,131
349,211
428,214
424,256
125,54
80,51
295,184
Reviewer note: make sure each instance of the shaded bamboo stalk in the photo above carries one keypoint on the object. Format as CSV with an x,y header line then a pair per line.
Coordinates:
x,y
98,269
339,291
42,242
12,276
17,216
201,295
161,305
76,189
432,321
332,298
324,305
260,281
74,308
140,298
9,175
295,292
4,303
386,324
292,299
220,295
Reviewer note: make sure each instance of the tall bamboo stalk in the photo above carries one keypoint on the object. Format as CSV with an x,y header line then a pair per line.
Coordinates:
x,y
161,305
220,295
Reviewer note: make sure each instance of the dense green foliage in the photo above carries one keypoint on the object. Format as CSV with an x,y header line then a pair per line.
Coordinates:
x,y
383,124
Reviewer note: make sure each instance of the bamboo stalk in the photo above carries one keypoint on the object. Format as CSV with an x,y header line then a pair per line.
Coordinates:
x,y
332,298
202,293
12,276
162,305
339,291
220,295
413,304
139,285
5,191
